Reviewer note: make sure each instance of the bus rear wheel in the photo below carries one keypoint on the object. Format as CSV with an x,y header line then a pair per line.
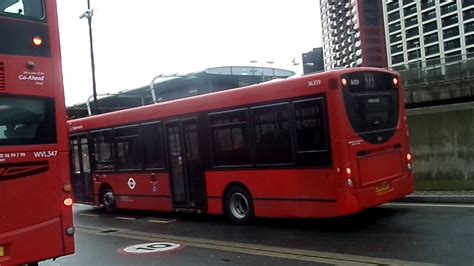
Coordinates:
x,y
108,199
238,205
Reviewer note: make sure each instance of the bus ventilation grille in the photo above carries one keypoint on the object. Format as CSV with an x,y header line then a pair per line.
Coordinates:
x,y
2,77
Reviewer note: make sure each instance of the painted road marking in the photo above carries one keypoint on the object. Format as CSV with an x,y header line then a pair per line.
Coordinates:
x,y
446,205
253,249
125,218
162,221
88,215
151,247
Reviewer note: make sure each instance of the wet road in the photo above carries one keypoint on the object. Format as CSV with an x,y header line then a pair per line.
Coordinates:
x,y
391,234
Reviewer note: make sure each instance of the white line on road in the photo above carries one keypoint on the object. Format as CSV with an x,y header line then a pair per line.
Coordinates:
x,y
409,204
161,221
89,215
125,218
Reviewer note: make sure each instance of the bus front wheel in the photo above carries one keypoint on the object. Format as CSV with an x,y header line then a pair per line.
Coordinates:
x,y
108,199
238,205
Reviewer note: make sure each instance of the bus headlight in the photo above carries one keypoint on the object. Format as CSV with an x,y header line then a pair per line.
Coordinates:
x,y
409,166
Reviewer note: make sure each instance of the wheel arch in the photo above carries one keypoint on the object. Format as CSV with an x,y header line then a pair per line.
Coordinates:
x,y
102,188
228,187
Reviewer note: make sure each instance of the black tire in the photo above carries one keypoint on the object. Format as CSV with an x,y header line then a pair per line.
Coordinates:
x,y
107,197
238,205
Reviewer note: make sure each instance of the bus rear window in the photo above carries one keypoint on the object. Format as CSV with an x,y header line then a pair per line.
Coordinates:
x,y
23,8
372,105
26,121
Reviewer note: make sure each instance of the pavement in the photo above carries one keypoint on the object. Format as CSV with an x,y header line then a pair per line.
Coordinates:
x,y
451,196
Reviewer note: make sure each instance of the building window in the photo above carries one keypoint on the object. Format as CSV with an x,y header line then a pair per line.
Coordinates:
x,y
453,44
449,20
448,8
412,32
469,39
394,27
393,16
427,4
453,57
396,48
432,50
470,52
432,61
392,6
397,59
469,27
414,55
428,15
467,3
469,14
413,43
451,32
431,38
395,37
409,10
430,27
411,21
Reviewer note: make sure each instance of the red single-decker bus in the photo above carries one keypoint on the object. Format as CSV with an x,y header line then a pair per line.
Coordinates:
x,y
322,145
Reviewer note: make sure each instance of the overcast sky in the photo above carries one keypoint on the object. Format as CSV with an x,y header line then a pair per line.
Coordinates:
x,y
134,43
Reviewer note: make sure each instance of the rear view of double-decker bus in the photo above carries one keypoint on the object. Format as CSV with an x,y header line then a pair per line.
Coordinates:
x,y
35,191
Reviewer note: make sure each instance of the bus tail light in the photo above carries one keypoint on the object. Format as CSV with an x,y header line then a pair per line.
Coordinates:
x,y
37,41
68,202
67,188
409,158
395,81
348,171
344,82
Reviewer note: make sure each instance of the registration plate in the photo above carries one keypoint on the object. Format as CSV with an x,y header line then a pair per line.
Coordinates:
x,y
382,187
2,251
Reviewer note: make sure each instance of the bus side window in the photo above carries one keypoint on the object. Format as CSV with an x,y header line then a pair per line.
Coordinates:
x,y
104,149
311,137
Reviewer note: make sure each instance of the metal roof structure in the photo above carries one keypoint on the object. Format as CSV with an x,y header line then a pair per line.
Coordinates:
x,y
168,87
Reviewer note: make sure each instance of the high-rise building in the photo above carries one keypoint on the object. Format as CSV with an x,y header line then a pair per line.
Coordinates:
x,y
313,61
353,33
428,32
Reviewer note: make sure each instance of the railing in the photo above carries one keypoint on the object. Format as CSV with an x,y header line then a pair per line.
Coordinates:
x,y
444,69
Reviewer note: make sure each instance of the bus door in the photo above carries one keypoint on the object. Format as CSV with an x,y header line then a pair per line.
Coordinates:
x,y
186,172
81,171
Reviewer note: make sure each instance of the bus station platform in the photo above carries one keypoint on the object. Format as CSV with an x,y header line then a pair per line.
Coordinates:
x,y
449,196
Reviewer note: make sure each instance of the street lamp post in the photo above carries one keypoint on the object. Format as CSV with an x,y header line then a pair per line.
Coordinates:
x,y
88,14
263,74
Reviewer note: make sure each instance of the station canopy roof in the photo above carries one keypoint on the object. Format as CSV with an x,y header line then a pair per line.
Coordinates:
x,y
173,86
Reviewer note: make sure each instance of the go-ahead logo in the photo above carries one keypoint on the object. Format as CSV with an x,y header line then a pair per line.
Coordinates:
x,y
37,77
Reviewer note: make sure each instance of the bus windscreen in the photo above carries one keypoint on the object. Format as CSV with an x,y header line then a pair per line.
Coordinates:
x,y
24,8
26,121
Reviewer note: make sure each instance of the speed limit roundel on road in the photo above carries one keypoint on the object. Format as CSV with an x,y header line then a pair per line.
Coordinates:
x,y
151,247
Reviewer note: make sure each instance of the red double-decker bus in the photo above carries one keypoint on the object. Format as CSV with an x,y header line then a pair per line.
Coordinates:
x,y
35,191
322,145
